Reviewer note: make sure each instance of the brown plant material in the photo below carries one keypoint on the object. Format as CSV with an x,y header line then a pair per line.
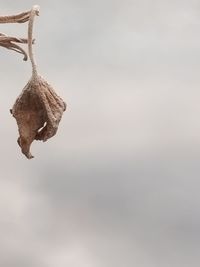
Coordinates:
x,y
9,42
38,110
20,18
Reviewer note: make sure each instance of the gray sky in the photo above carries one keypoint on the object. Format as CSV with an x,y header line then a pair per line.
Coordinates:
x,y
119,184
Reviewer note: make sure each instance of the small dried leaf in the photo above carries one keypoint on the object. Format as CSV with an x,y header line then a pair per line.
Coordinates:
x,y
38,111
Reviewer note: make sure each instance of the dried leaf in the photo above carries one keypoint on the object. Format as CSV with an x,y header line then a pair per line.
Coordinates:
x,y
38,111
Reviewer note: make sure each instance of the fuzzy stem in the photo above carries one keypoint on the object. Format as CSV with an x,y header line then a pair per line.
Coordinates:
x,y
34,11
5,38
9,43
20,18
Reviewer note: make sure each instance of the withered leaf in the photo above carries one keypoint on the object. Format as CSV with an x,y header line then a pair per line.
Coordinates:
x,y
38,111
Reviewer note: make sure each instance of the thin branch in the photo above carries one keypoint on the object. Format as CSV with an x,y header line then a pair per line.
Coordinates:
x,y
14,47
34,12
9,41
20,18
6,38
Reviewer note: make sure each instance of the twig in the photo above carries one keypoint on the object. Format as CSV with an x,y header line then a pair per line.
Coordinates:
x,y
14,47
6,38
20,18
9,41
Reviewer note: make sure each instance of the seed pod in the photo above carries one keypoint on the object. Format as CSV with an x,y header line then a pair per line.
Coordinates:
x,y
38,110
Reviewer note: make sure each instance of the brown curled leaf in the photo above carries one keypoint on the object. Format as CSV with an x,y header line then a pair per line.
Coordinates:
x,y
38,111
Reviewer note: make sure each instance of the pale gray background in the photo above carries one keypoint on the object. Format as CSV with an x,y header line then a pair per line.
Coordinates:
x,y
119,184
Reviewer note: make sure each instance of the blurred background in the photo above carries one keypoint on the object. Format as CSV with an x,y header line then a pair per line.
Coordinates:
x,y
119,183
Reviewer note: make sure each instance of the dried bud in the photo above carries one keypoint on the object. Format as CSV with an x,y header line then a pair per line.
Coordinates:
x,y
38,111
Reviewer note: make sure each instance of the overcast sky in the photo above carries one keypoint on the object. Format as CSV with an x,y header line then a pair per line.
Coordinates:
x,y
118,186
